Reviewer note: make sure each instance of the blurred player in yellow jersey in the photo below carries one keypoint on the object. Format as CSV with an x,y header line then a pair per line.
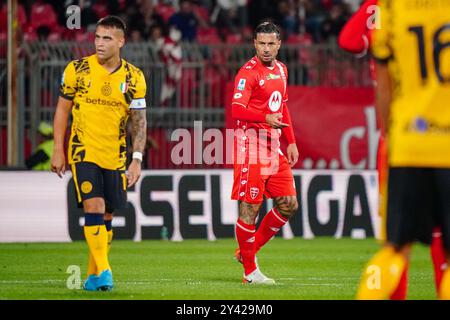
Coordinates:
x,y
102,91
412,49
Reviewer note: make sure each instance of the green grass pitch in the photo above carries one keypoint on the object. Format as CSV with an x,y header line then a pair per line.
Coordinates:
x,y
322,268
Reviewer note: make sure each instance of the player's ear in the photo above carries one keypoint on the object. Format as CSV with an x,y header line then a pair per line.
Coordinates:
x,y
122,41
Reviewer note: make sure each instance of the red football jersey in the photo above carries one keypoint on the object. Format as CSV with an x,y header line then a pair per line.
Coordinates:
x,y
262,90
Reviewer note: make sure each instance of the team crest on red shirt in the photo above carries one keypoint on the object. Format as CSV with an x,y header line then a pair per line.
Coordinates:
x,y
254,191
275,101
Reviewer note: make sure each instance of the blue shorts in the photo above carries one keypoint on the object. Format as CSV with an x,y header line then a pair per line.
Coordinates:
x,y
91,181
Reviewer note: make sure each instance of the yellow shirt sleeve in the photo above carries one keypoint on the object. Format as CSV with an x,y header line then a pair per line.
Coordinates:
x,y
138,101
141,86
68,85
381,37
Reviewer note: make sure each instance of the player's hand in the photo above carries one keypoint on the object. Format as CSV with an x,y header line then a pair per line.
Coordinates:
x,y
134,172
58,163
292,154
274,120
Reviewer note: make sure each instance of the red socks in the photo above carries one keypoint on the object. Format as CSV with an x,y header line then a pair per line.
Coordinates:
x,y
250,241
402,288
438,257
245,235
270,225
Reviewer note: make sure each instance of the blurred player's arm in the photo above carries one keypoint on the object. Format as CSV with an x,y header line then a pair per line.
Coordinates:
x,y
58,162
382,52
67,91
354,36
383,94
288,132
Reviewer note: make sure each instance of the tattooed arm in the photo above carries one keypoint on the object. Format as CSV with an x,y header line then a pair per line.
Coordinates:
x,y
139,129
138,137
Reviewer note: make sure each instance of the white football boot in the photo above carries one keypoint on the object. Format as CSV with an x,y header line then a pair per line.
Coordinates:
x,y
257,277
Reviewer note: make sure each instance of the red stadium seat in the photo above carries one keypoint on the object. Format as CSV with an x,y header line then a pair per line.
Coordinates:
x,y
29,34
202,13
208,36
101,9
327,4
54,37
214,81
165,11
160,158
234,38
42,14
3,18
84,36
3,47
305,38
22,17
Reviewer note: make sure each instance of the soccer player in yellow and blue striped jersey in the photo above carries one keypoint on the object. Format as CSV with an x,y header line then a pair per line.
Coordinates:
x,y
413,101
101,91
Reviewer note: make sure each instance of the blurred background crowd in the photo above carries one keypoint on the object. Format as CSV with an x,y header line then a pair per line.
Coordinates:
x,y
189,51
201,21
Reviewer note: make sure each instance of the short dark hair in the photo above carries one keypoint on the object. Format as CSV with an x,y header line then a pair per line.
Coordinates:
x,y
267,27
112,21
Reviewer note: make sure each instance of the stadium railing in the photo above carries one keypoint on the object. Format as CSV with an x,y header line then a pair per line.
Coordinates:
x,y
199,93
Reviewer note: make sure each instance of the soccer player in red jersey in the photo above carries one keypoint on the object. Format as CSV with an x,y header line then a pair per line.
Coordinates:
x,y
355,37
260,168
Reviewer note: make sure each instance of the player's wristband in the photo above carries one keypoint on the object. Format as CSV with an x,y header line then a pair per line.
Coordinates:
x,y
137,155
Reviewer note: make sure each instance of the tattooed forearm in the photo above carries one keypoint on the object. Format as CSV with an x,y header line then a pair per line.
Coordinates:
x,y
139,129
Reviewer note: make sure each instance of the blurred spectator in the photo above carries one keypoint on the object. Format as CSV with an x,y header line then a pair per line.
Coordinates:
x,y
145,18
42,33
135,36
286,18
186,21
106,7
312,13
171,54
89,17
334,22
204,21
156,36
165,9
230,17
259,10
40,159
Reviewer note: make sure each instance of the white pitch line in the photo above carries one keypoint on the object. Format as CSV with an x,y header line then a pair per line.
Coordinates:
x,y
313,284
31,281
317,278
190,282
